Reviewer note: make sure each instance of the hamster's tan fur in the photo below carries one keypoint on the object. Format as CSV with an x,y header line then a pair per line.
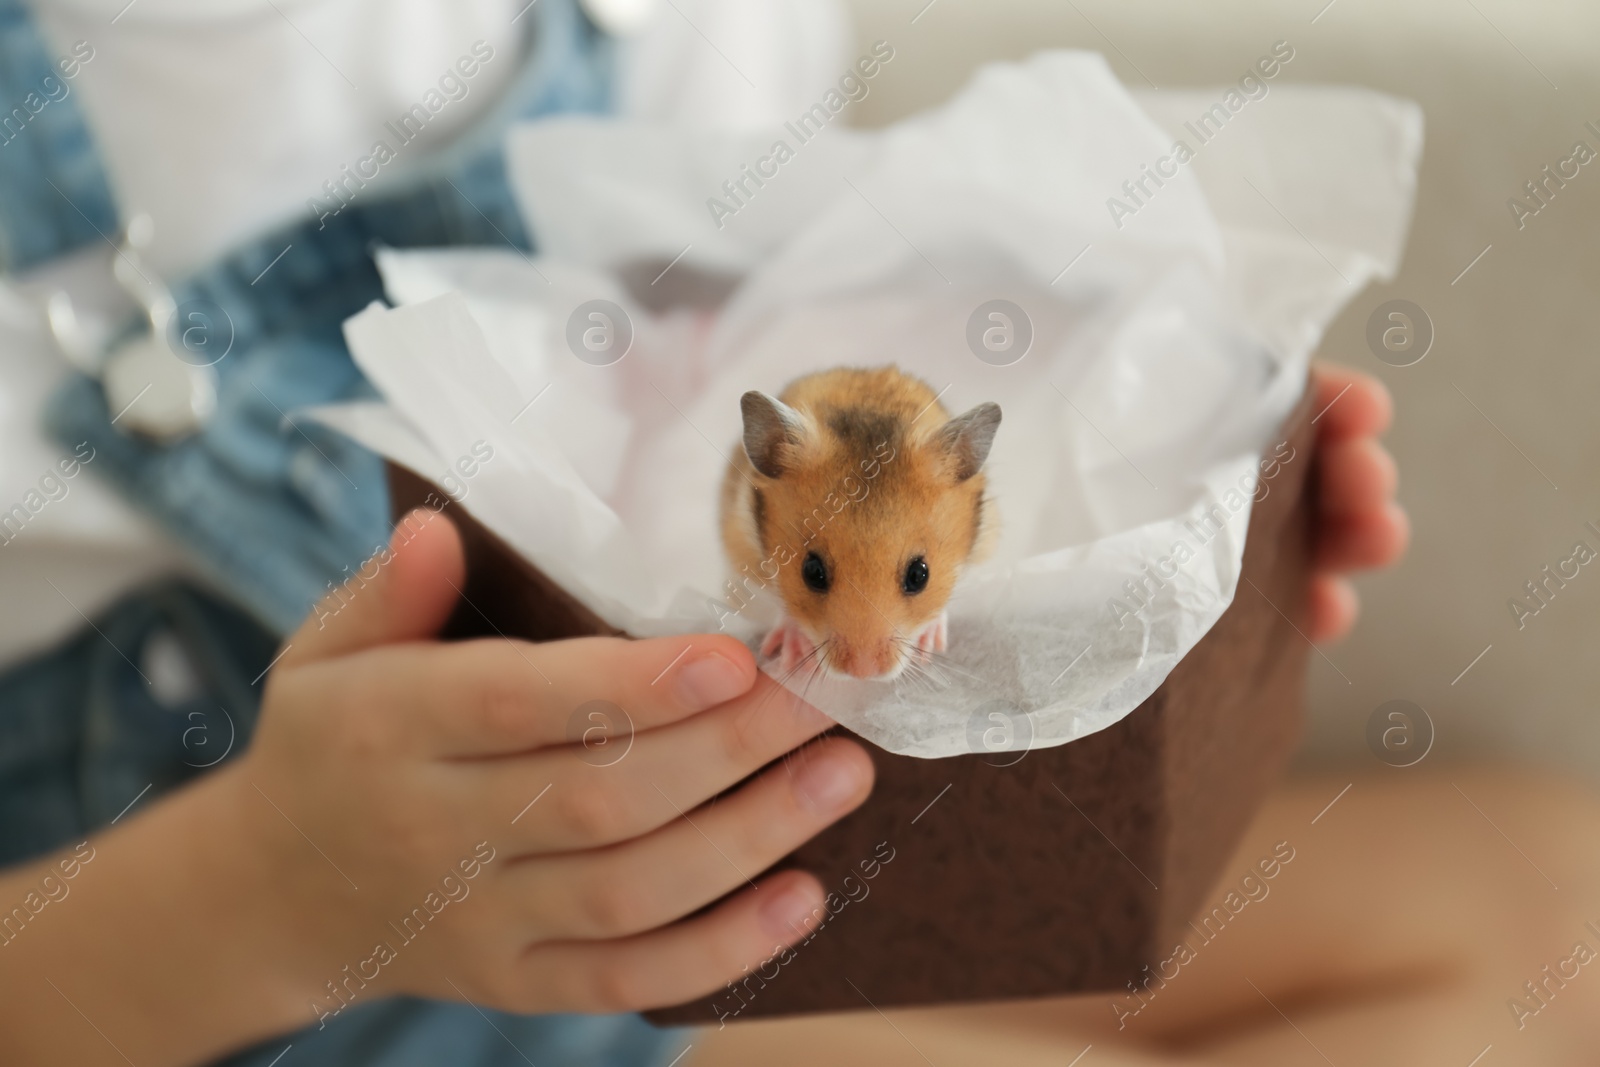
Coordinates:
x,y
866,469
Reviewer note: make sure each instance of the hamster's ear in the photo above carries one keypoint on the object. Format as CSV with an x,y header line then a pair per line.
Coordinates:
x,y
773,433
966,438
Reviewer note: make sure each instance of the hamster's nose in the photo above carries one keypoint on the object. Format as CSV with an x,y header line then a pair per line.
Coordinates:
x,y
877,659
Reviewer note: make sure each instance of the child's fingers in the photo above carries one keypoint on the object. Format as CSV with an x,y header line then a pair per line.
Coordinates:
x,y
1357,475
1367,539
1330,608
677,963
496,696
404,593
632,785
1349,403
695,859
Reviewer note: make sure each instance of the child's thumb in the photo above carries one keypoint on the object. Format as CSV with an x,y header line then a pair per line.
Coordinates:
x,y
404,593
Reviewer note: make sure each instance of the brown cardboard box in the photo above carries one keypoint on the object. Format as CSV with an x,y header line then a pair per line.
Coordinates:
x,y
1065,871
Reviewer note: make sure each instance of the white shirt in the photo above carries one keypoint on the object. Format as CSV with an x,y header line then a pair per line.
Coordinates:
x,y
220,118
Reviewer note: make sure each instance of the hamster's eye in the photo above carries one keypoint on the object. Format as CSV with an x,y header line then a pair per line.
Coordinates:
x,y
916,577
814,573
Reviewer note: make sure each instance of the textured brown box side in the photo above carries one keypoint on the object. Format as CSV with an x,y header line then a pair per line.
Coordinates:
x,y
1036,878
1240,705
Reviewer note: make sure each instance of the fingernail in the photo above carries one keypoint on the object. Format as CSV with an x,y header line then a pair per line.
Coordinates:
x,y
827,783
710,680
786,913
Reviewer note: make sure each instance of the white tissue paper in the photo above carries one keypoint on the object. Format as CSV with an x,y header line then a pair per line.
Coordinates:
x,y
1169,340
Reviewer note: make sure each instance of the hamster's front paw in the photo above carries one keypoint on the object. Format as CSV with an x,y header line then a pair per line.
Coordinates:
x,y
933,636
789,643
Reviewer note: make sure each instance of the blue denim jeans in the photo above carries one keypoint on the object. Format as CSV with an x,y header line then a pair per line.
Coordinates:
x,y
164,685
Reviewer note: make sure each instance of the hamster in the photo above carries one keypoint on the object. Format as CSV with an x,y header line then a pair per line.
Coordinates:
x,y
859,496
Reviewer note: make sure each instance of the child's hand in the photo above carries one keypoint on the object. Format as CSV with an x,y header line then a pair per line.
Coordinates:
x,y
1359,525
421,814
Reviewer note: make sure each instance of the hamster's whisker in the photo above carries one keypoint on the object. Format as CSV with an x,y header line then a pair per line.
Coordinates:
x,y
909,653
916,678
805,660
783,680
816,672
930,664
936,680
811,659
944,661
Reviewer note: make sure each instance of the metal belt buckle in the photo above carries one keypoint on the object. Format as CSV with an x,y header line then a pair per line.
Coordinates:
x,y
162,383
